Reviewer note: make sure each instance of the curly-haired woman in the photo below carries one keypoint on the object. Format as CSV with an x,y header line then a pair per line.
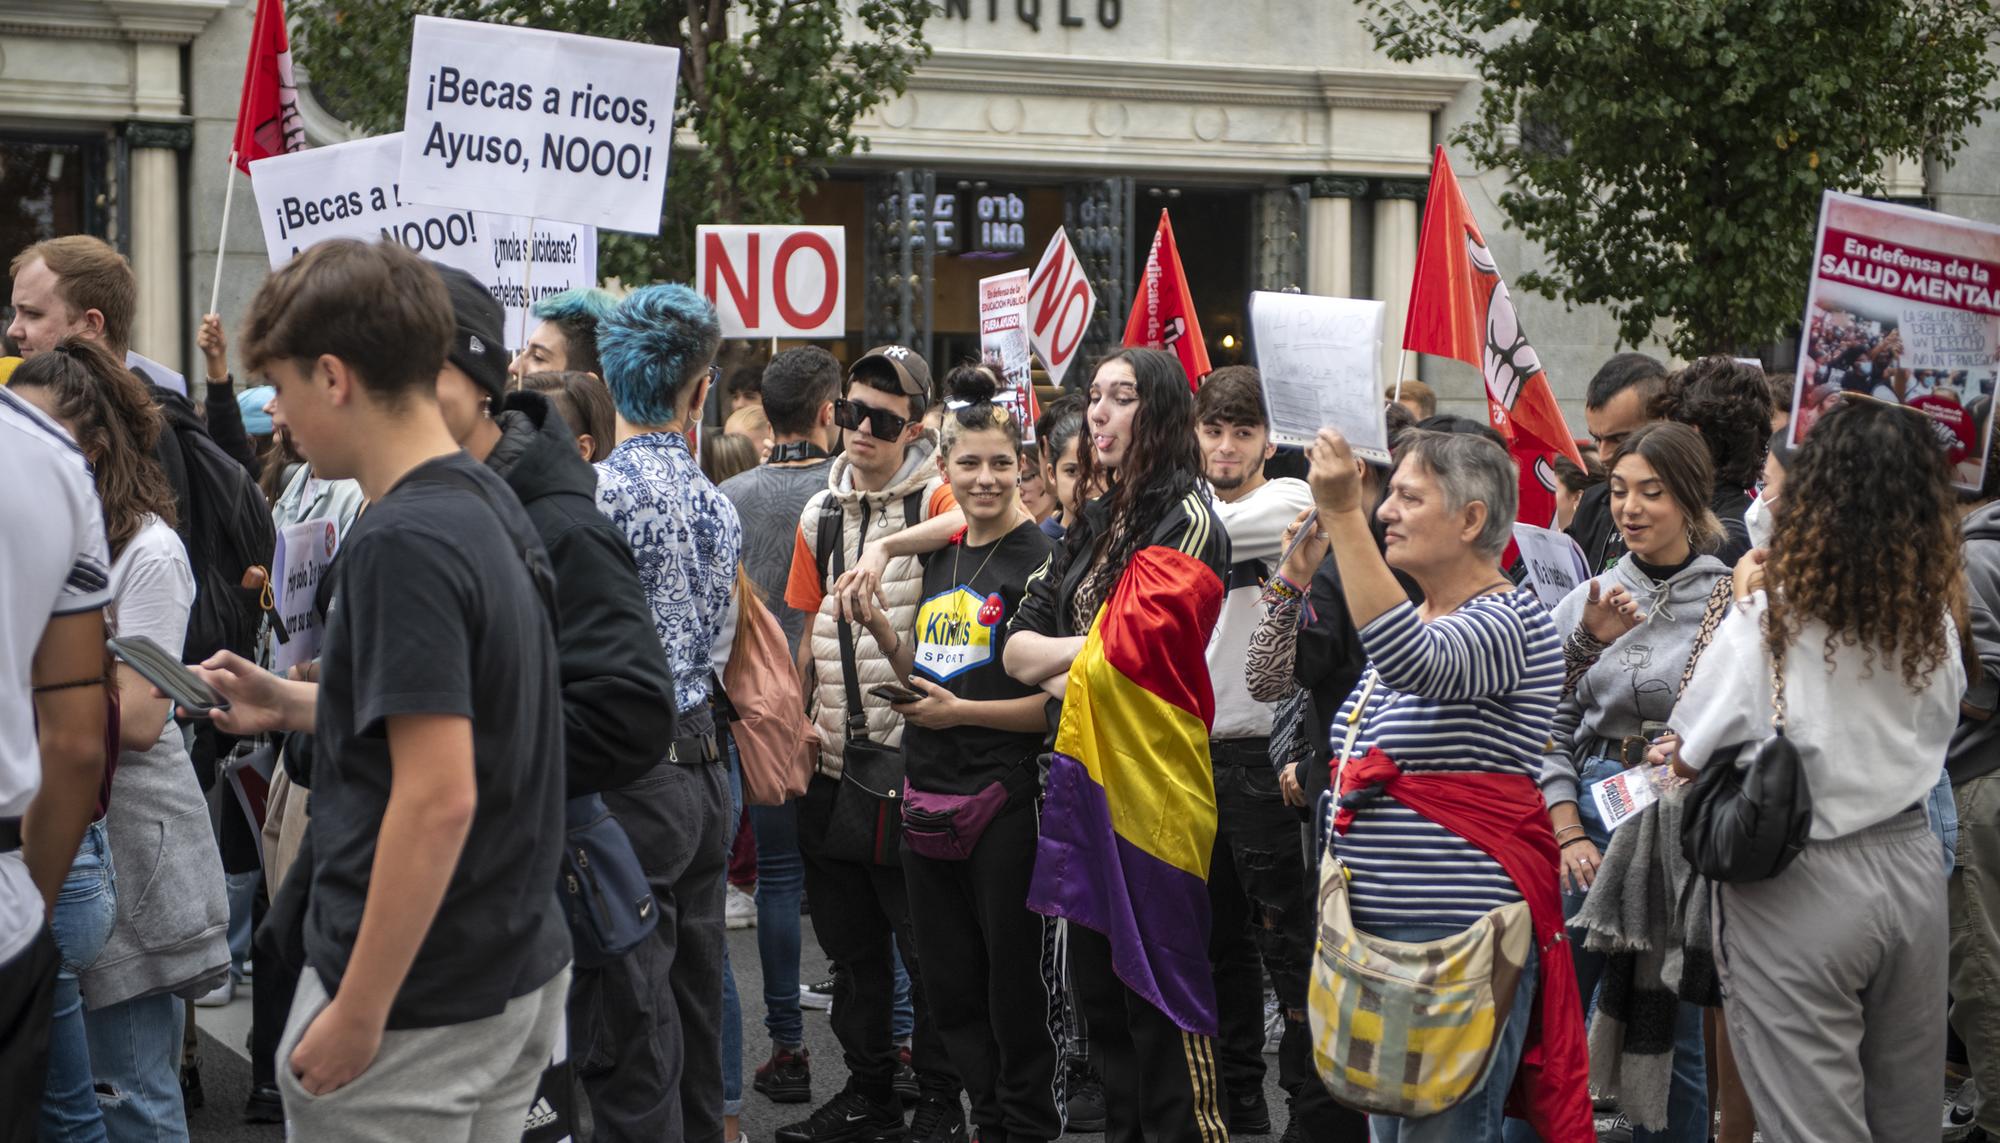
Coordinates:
x,y
1833,971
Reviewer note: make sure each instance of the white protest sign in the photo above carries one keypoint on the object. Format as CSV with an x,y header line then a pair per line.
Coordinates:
x,y
1623,796
1003,344
542,124
304,552
1942,337
1321,363
774,281
349,190
1060,302
1555,565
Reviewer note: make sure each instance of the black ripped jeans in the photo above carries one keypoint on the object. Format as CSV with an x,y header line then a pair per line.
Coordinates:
x,y
1260,891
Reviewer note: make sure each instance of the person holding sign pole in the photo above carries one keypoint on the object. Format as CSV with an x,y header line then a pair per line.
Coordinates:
x,y
1631,635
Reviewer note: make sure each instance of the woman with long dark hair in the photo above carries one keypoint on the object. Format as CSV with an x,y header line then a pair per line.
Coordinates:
x,y
166,940
1115,624
1833,971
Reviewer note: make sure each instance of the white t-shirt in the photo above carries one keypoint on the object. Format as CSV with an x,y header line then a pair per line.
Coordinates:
x,y
1256,525
54,561
1870,747
152,591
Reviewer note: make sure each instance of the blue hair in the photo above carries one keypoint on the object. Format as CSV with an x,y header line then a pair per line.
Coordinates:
x,y
584,303
657,342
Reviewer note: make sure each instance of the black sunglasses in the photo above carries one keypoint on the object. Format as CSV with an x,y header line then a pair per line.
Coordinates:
x,y
882,424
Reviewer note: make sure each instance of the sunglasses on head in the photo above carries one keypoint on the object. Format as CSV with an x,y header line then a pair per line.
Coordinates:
x,y
882,424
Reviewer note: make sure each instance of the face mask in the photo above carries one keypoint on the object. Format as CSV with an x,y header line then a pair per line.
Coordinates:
x,y
1758,521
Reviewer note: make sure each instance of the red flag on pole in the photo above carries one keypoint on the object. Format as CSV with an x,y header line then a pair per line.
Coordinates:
x,y
1163,315
267,119
1460,308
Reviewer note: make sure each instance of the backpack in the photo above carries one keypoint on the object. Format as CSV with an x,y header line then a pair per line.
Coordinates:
x,y
225,524
761,700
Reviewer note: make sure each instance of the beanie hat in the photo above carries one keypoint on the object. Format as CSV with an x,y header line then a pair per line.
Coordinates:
x,y
250,404
477,345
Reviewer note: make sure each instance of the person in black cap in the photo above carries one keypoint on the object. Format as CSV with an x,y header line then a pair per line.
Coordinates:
x,y
617,694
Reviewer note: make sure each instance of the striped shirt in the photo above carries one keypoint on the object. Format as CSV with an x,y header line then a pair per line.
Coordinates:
x,y
1475,690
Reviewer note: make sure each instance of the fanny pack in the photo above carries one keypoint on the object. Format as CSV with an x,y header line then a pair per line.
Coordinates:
x,y
947,827
606,897
1398,1027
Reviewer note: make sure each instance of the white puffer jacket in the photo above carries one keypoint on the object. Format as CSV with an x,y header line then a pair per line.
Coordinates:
x,y
881,514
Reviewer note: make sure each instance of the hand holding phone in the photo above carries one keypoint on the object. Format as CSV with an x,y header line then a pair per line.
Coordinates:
x,y
896,694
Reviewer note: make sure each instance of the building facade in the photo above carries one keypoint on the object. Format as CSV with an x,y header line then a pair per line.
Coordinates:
x,y
1286,150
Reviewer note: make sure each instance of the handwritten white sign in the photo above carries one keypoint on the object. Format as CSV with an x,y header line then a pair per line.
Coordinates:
x,y
1321,361
1554,563
305,550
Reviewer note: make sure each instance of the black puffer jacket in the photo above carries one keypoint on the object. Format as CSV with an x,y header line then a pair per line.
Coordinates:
x,y
617,695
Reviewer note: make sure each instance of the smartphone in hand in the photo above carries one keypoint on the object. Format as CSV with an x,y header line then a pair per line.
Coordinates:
x,y
896,693
166,672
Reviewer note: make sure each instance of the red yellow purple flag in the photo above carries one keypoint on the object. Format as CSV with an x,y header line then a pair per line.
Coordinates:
x,y
1130,815
1460,308
1163,314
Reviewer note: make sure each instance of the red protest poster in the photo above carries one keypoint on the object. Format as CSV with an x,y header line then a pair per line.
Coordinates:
x,y
1903,308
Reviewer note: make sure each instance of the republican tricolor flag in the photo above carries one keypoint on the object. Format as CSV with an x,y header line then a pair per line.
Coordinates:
x,y
1459,308
1130,815
1163,314
267,118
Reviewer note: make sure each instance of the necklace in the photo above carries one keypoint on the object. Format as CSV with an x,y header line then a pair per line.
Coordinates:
x,y
982,563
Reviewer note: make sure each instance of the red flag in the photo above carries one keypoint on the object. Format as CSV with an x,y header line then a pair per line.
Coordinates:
x,y
1459,308
267,119
1163,315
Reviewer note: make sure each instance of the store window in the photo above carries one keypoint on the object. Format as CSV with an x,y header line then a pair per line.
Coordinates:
x,y
49,186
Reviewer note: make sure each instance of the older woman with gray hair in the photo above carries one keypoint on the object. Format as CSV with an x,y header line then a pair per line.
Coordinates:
x,y
1440,839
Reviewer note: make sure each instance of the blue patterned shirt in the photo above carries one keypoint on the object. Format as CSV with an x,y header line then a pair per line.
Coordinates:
x,y
686,538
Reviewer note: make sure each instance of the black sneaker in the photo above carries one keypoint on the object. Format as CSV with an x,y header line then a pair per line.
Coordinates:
x,y
937,1120
1616,1129
849,1117
787,1076
192,1097
906,1077
817,996
1249,1115
1084,1114
265,1105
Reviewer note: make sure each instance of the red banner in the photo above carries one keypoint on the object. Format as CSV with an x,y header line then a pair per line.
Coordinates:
x,y
1460,308
267,118
1163,315
1907,271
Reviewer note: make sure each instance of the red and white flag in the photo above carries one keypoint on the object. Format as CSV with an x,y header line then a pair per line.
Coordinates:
x,y
1163,314
1460,308
267,119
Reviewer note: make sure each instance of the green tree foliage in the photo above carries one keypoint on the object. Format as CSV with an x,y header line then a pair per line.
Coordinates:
x,y
1669,155
771,89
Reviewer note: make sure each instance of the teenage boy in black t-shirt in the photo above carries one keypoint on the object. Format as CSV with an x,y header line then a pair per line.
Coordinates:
x,y
437,956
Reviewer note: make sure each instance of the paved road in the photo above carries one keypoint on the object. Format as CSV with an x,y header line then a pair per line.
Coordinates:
x,y
226,1071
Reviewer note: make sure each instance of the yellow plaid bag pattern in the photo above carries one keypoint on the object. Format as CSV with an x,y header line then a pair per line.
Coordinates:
x,y
1408,1029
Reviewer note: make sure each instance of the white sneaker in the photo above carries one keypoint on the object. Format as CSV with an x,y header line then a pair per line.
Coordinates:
x,y
740,912
219,996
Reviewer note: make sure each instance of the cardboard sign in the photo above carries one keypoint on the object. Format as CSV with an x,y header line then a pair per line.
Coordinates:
x,y
1321,363
1555,565
349,190
1903,308
541,124
774,281
305,550
1060,302
1003,344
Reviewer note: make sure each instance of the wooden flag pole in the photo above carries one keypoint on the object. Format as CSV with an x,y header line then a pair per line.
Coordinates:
x,y
222,236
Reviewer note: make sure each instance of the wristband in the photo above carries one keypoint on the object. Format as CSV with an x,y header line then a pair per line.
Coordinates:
x,y
1574,841
1285,587
1569,829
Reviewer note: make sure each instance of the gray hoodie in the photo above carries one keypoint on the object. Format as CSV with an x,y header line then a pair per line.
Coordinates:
x,y
1975,745
1638,679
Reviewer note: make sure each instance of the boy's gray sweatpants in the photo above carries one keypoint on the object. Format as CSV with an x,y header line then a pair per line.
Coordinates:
x,y
1833,978
455,1084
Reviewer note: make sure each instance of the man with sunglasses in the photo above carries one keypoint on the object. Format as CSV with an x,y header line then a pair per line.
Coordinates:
x,y
886,480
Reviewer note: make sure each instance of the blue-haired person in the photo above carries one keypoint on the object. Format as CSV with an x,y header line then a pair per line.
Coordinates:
x,y
564,339
658,353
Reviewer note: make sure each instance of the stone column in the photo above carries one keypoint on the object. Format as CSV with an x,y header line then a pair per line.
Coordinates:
x,y
1330,235
155,199
1396,214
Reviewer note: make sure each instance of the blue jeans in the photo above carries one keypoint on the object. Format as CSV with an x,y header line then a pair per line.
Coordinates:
x,y
1942,810
243,890
1480,1116
85,910
732,1008
781,882
135,1048
903,1018
1687,1093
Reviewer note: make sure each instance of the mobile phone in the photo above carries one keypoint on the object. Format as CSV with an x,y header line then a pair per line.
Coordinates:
x,y
167,673
896,693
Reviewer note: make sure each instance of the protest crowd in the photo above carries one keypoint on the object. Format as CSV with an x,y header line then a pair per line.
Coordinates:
x,y
1120,746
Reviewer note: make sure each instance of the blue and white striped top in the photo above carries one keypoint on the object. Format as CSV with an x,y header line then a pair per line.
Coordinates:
x,y
1475,690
